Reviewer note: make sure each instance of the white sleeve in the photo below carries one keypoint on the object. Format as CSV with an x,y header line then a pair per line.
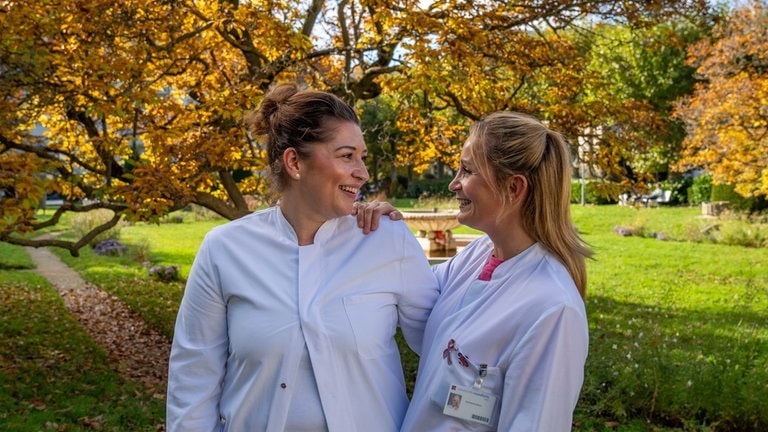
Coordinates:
x,y
199,351
419,293
545,375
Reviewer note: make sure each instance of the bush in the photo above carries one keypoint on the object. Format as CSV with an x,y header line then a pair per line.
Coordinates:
x,y
110,247
700,190
200,213
141,250
726,192
164,273
741,232
730,229
436,202
175,218
83,223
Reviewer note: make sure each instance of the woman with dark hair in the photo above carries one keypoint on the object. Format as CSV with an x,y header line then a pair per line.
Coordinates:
x,y
289,314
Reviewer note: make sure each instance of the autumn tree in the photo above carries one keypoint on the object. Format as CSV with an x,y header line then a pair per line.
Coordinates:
x,y
541,61
135,106
727,116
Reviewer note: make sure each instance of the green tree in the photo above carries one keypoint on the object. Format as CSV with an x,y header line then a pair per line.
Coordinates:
x,y
641,69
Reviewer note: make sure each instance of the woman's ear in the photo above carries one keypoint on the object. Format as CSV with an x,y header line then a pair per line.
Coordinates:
x,y
517,186
291,162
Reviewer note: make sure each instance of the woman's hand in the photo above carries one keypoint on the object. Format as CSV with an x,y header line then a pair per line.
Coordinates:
x,y
368,214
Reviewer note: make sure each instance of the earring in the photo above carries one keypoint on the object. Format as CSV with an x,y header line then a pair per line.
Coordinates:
x,y
297,175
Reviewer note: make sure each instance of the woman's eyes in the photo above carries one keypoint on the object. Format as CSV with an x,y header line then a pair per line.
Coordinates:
x,y
466,170
352,156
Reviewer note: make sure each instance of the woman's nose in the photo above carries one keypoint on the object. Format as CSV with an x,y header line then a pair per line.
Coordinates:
x,y
361,172
455,184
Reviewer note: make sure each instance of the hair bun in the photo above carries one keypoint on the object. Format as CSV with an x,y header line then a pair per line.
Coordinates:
x,y
261,121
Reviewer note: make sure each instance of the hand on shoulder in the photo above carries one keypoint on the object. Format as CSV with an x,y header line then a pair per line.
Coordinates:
x,y
369,214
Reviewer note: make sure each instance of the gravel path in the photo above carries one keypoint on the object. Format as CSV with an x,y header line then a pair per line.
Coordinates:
x,y
138,352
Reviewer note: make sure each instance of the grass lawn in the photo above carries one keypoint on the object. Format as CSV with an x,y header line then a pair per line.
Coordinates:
x,y
679,330
52,375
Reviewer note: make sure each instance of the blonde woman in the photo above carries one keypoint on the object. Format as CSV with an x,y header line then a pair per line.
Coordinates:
x,y
509,331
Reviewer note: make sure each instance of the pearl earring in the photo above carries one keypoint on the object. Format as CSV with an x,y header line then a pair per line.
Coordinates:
x,y
297,175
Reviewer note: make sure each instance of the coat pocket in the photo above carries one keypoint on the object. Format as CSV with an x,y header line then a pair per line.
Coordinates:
x,y
466,376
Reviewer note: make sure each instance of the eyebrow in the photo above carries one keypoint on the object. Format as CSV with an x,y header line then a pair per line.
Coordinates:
x,y
349,147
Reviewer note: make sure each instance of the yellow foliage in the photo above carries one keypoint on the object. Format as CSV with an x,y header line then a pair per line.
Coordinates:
x,y
726,118
137,104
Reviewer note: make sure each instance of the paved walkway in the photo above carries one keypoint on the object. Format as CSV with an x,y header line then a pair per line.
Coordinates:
x,y
138,352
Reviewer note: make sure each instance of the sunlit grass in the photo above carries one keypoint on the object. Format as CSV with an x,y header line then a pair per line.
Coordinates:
x,y
679,329
177,244
13,257
53,376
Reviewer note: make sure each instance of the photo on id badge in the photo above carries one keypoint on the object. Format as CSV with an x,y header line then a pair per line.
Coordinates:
x,y
470,404
454,401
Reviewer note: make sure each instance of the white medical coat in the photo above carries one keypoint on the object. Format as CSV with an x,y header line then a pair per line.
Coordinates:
x,y
528,324
254,298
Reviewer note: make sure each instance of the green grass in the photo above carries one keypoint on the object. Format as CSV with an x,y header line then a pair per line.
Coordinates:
x,y
178,243
13,257
679,330
53,376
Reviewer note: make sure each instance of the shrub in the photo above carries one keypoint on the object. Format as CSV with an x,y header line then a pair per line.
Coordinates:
x,y
83,223
700,190
141,250
175,218
110,247
438,202
741,233
726,192
164,273
397,189
731,229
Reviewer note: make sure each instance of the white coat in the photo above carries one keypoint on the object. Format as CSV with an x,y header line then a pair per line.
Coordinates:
x,y
528,324
255,299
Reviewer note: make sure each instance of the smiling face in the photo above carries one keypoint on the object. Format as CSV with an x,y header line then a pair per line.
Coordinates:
x,y
479,206
332,175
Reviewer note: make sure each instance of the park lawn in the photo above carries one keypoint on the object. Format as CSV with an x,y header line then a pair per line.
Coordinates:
x,y
52,375
679,330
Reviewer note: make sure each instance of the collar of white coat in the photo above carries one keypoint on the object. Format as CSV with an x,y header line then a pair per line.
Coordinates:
x,y
323,234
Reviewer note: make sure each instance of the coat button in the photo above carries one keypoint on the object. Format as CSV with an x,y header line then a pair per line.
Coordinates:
x,y
282,385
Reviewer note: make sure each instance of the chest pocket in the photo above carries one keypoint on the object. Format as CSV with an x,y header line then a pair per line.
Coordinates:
x,y
373,318
465,376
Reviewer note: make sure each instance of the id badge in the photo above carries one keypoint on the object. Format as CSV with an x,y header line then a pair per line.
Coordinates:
x,y
470,404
